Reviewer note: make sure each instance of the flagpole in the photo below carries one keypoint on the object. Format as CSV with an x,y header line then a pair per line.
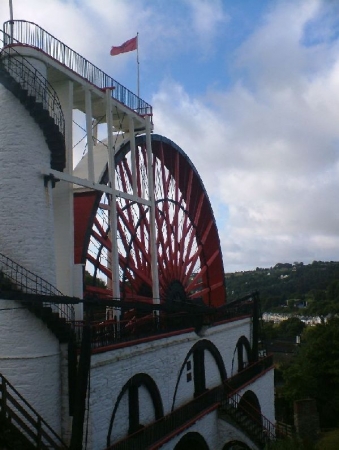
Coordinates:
x,y
11,19
10,10
138,76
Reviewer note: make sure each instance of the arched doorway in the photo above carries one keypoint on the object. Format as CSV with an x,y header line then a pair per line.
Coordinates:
x,y
235,445
130,391
192,441
244,352
250,406
194,365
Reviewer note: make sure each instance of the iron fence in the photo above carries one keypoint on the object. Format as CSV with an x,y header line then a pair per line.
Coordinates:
x,y
28,33
139,326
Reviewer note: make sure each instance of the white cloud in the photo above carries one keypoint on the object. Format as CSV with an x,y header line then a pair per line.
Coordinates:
x,y
268,146
272,57
207,17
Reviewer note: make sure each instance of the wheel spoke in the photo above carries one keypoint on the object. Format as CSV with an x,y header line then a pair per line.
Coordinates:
x,y
188,249
105,242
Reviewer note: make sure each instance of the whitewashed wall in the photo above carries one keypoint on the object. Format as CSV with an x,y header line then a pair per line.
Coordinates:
x,y
264,390
225,337
162,360
26,218
31,357
30,360
216,433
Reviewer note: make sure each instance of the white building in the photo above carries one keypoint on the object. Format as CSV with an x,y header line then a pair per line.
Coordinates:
x,y
175,367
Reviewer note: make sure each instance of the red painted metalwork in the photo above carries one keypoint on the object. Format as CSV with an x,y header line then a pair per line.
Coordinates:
x,y
189,255
84,204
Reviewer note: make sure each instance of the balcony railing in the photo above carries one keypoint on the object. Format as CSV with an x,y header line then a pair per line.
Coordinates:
x,y
28,33
112,332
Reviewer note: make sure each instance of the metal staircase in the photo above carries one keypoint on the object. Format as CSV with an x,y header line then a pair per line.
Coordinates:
x,y
246,417
26,83
18,283
21,427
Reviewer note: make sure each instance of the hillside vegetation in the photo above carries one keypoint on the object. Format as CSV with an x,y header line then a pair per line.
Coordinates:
x,y
287,285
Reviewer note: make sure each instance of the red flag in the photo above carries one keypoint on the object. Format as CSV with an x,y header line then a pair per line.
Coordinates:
x,y
127,46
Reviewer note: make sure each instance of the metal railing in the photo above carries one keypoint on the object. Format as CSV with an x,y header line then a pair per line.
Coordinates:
x,y
250,418
27,282
284,429
251,371
111,332
150,434
31,80
16,410
154,435
28,33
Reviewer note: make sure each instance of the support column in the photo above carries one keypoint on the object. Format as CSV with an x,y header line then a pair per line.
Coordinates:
x,y
113,206
88,102
153,237
63,200
133,161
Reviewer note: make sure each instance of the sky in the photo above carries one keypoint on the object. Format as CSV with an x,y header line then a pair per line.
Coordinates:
x,y
249,89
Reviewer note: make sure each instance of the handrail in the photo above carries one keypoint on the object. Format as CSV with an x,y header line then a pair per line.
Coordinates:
x,y
23,416
33,81
30,283
28,33
158,430
259,423
154,432
112,332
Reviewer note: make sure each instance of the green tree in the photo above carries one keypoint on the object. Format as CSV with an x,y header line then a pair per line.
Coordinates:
x,y
333,291
269,331
315,371
291,327
91,281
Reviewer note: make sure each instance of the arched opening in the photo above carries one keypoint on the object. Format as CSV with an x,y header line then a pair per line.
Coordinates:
x,y
243,352
131,390
250,406
192,441
197,352
235,445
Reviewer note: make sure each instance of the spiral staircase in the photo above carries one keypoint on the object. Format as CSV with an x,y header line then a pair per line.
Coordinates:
x,y
37,95
21,427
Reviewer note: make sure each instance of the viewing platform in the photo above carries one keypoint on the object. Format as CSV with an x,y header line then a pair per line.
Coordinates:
x,y
63,64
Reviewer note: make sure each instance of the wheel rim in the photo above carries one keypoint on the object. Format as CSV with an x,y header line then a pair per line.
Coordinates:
x,y
189,256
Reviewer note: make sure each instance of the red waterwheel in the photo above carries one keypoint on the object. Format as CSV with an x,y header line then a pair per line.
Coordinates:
x,y
189,256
